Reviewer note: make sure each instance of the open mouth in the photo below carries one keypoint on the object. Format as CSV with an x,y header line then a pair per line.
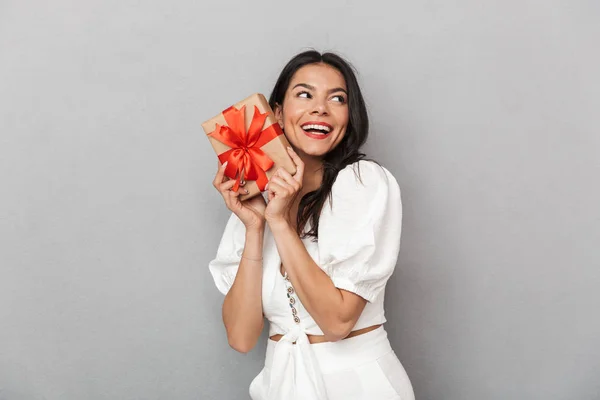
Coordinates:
x,y
316,128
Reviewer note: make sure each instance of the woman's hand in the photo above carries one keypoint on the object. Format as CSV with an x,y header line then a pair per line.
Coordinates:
x,y
283,189
251,212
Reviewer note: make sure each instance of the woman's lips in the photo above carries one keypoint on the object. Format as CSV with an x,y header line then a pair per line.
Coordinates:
x,y
316,126
315,135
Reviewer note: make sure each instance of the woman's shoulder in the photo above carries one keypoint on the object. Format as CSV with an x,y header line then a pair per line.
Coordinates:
x,y
363,175
362,224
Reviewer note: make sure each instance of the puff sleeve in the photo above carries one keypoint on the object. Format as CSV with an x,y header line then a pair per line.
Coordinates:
x,y
360,229
229,253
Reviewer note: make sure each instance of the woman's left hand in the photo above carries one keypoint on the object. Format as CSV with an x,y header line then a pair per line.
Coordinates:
x,y
283,188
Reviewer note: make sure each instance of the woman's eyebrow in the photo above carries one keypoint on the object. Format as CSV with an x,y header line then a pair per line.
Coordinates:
x,y
338,89
304,85
310,87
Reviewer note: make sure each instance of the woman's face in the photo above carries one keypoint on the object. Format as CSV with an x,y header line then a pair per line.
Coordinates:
x,y
314,115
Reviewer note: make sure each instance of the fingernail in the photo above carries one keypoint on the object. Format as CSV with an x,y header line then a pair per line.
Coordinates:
x,y
246,191
267,186
290,149
225,164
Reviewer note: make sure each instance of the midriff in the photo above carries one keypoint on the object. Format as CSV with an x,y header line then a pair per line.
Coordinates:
x,y
321,338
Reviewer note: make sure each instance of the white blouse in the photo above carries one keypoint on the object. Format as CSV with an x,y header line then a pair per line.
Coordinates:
x,y
359,239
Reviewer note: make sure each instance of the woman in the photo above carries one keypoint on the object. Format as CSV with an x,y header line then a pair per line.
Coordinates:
x,y
314,259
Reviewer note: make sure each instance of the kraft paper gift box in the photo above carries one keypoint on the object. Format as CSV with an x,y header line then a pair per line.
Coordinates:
x,y
248,136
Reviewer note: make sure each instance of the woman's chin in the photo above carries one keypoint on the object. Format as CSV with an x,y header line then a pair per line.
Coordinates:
x,y
312,152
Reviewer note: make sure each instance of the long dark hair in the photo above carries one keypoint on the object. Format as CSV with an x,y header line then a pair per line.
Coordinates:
x,y
346,152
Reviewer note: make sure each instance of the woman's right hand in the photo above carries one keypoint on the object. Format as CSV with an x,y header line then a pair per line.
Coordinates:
x,y
251,212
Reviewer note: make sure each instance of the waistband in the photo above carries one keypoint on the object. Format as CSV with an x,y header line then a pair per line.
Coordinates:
x,y
343,354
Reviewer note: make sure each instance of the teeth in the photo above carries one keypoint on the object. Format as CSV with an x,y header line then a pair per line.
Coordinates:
x,y
319,127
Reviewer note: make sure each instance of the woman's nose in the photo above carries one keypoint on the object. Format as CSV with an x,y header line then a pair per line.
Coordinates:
x,y
319,108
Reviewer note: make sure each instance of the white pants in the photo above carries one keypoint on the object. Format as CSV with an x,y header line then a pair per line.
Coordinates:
x,y
363,367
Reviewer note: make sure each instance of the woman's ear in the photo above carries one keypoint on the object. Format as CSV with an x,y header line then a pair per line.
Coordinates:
x,y
279,114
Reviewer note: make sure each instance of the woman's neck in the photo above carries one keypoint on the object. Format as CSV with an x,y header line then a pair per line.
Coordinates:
x,y
313,173
313,177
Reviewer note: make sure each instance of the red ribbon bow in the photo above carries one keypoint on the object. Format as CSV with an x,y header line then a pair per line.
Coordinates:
x,y
245,153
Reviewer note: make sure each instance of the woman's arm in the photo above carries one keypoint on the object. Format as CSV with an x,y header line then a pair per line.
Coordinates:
x,y
335,311
242,307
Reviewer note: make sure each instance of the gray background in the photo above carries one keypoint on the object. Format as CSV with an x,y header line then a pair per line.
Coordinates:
x,y
484,111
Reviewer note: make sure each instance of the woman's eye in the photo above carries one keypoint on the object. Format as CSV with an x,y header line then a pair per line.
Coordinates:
x,y
340,98
305,95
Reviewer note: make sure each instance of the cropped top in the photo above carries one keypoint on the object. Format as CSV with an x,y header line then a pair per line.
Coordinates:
x,y
358,244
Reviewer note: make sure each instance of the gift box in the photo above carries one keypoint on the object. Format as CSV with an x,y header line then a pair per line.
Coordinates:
x,y
248,137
